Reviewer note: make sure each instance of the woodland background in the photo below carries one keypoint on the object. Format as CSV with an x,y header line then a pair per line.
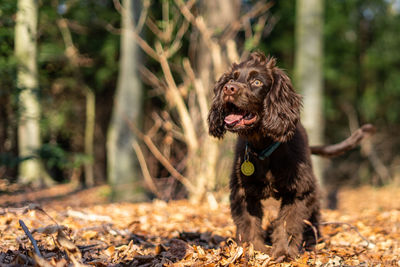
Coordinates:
x,y
104,102
120,90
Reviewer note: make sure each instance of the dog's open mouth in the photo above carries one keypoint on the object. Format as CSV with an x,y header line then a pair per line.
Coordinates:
x,y
237,117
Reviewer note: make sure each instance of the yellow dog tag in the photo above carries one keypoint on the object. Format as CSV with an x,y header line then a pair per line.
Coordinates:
x,y
247,168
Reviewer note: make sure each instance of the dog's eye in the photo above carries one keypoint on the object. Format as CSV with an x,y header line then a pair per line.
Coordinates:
x,y
257,83
231,80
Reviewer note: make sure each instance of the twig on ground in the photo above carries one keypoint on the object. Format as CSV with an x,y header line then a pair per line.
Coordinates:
x,y
351,227
315,237
29,235
25,209
21,210
50,229
88,217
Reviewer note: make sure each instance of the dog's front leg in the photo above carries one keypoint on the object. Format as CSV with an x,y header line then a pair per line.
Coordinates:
x,y
289,226
247,214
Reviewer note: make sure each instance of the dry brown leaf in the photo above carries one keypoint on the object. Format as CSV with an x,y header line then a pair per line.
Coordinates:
x,y
89,234
145,234
42,262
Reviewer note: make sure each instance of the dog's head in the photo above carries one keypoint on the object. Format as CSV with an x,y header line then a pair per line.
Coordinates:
x,y
255,97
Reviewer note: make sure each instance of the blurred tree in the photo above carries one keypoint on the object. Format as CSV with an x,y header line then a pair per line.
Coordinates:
x,y
218,15
362,76
187,152
211,61
76,60
309,73
8,129
29,141
78,66
123,173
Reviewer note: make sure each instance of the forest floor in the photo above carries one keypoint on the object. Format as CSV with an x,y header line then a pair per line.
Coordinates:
x,y
80,227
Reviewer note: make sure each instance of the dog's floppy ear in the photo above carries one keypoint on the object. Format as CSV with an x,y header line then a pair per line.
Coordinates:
x,y
281,106
216,115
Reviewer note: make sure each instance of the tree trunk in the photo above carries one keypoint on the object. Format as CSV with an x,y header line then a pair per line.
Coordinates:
x,y
30,171
308,68
89,136
217,16
123,173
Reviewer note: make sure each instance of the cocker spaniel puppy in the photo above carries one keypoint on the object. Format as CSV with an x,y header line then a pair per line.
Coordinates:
x,y
255,99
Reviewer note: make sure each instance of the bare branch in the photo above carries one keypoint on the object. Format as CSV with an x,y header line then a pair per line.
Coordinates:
x,y
176,44
200,92
156,126
346,145
198,21
206,33
143,15
135,33
70,50
255,39
118,6
168,125
168,25
232,51
259,29
187,123
155,30
146,174
233,29
150,78
160,157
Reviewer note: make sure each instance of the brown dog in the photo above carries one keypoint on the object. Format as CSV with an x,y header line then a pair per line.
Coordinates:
x,y
256,100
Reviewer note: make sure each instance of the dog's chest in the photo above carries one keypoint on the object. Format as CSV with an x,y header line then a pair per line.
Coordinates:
x,y
261,183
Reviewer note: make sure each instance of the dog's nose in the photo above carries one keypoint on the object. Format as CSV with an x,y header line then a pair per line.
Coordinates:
x,y
230,89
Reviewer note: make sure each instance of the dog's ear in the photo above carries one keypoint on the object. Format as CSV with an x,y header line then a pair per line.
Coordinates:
x,y
281,106
216,115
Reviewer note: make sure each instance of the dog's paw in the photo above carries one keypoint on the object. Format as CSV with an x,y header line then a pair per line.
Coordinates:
x,y
260,246
281,252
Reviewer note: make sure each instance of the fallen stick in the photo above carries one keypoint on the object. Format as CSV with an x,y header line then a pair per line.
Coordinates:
x,y
88,217
21,210
351,227
315,237
33,241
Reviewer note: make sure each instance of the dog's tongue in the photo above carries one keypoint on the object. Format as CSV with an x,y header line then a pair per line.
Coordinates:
x,y
233,118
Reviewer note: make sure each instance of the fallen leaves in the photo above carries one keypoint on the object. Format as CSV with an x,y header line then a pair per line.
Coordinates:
x,y
183,234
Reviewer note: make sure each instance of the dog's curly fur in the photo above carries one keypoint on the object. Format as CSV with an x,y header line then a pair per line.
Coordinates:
x,y
256,100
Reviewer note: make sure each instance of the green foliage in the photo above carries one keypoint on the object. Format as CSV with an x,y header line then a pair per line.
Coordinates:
x,y
362,57
11,161
7,60
280,43
55,157
62,84
361,67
